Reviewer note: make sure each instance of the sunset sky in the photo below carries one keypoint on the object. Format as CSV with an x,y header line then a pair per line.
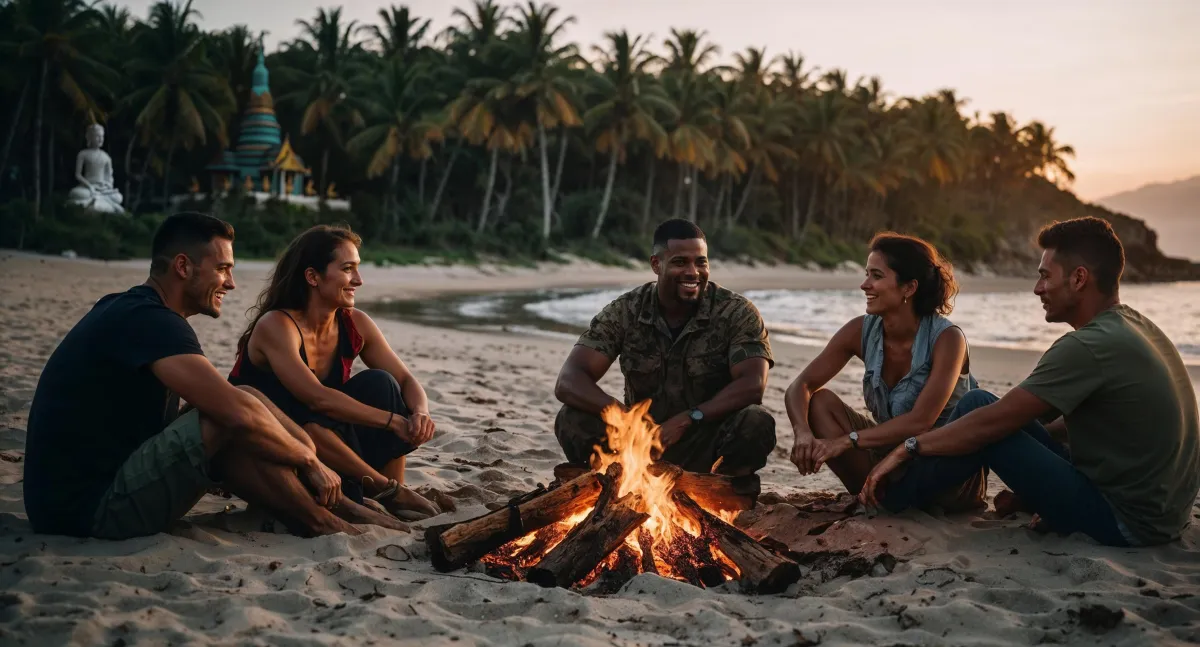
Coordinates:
x,y
1119,80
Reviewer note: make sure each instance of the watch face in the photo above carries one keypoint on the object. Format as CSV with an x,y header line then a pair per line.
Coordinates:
x,y
911,445
696,414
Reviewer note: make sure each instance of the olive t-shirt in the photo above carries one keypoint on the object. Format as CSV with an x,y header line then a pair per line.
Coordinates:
x,y
1130,411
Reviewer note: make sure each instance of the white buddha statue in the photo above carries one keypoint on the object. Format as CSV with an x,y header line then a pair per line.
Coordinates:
x,y
94,170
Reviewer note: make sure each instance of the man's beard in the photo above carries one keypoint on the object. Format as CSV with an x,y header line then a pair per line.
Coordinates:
x,y
203,303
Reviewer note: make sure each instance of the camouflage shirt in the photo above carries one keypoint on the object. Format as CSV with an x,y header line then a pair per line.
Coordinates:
x,y
680,374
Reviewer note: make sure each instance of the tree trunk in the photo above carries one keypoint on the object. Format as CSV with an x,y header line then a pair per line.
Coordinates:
x,y
695,188
562,156
545,182
812,205
487,192
649,196
679,191
167,178
50,166
137,200
796,204
608,187
37,143
502,199
324,175
128,174
12,130
750,184
723,183
392,200
421,182
437,197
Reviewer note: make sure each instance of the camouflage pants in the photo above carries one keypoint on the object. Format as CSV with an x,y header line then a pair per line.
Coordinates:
x,y
743,439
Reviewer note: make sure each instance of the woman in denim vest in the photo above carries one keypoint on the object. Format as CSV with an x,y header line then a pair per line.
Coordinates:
x,y
917,367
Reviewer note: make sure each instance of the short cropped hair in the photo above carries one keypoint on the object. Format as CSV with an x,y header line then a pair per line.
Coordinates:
x,y
1090,242
913,259
675,229
185,233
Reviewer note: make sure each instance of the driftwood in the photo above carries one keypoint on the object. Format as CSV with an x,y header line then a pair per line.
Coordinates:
x,y
762,570
452,546
711,491
593,539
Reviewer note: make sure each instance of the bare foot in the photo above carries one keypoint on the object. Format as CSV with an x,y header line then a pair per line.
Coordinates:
x,y
333,526
444,501
410,506
1007,503
355,513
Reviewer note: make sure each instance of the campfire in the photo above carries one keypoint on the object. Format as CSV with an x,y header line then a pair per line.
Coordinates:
x,y
626,515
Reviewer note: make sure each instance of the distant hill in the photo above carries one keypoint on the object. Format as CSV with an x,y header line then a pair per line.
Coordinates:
x,y
1171,209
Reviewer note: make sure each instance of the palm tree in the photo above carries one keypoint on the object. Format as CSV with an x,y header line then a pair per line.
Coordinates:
x,y
1049,157
400,35
401,123
185,99
235,52
691,147
941,135
57,37
324,83
730,137
824,132
629,110
542,83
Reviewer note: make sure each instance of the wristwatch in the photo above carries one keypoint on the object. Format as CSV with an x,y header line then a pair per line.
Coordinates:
x,y
854,439
696,415
911,447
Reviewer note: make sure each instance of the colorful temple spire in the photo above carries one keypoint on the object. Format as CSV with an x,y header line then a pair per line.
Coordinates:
x,y
261,149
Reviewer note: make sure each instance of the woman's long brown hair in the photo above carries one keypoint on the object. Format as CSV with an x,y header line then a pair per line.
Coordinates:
x,y
287,289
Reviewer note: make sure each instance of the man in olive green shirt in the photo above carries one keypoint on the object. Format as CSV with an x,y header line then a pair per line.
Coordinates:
x,y
697,351
1120,387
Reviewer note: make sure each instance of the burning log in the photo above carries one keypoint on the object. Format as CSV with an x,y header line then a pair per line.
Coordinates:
x,y
712,491
762,570
453,546
646,545
594,538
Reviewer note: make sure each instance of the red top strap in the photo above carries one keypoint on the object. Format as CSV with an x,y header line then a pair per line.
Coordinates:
x,y
354,340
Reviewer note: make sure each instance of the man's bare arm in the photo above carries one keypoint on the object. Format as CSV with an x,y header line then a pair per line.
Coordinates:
x,y
985,425
195,379
747,387
577,384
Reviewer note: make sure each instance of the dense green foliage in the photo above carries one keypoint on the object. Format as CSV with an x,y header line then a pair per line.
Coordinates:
x,y
498,137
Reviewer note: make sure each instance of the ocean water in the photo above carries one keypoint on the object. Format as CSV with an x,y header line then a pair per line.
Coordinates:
x,y
1000,319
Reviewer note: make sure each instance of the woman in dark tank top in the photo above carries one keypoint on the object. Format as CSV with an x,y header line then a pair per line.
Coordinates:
x,y
299,351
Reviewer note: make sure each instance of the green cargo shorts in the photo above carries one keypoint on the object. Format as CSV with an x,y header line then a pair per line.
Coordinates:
x,y
158,483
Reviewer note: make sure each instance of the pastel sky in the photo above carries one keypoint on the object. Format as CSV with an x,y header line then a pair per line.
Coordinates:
x,y
1118,79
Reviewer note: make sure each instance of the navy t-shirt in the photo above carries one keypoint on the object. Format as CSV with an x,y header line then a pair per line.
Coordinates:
x,y
96,402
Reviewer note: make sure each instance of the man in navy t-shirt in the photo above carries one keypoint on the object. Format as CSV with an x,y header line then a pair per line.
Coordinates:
x,y
108,453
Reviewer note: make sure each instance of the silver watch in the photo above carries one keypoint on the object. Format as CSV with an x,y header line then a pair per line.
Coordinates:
x,y
911,446
854,439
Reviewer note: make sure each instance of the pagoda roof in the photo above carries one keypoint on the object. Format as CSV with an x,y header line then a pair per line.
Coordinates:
x,y
288,160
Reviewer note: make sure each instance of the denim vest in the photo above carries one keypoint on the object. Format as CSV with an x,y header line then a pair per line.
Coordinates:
x,y
885,403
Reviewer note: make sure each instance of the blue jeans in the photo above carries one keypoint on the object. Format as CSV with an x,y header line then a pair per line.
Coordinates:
x,y
1037,468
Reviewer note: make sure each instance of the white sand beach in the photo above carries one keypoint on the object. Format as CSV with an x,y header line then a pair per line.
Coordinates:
x,y
966,580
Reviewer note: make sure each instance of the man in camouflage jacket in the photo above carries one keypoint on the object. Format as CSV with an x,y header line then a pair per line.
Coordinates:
x,y
699,352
